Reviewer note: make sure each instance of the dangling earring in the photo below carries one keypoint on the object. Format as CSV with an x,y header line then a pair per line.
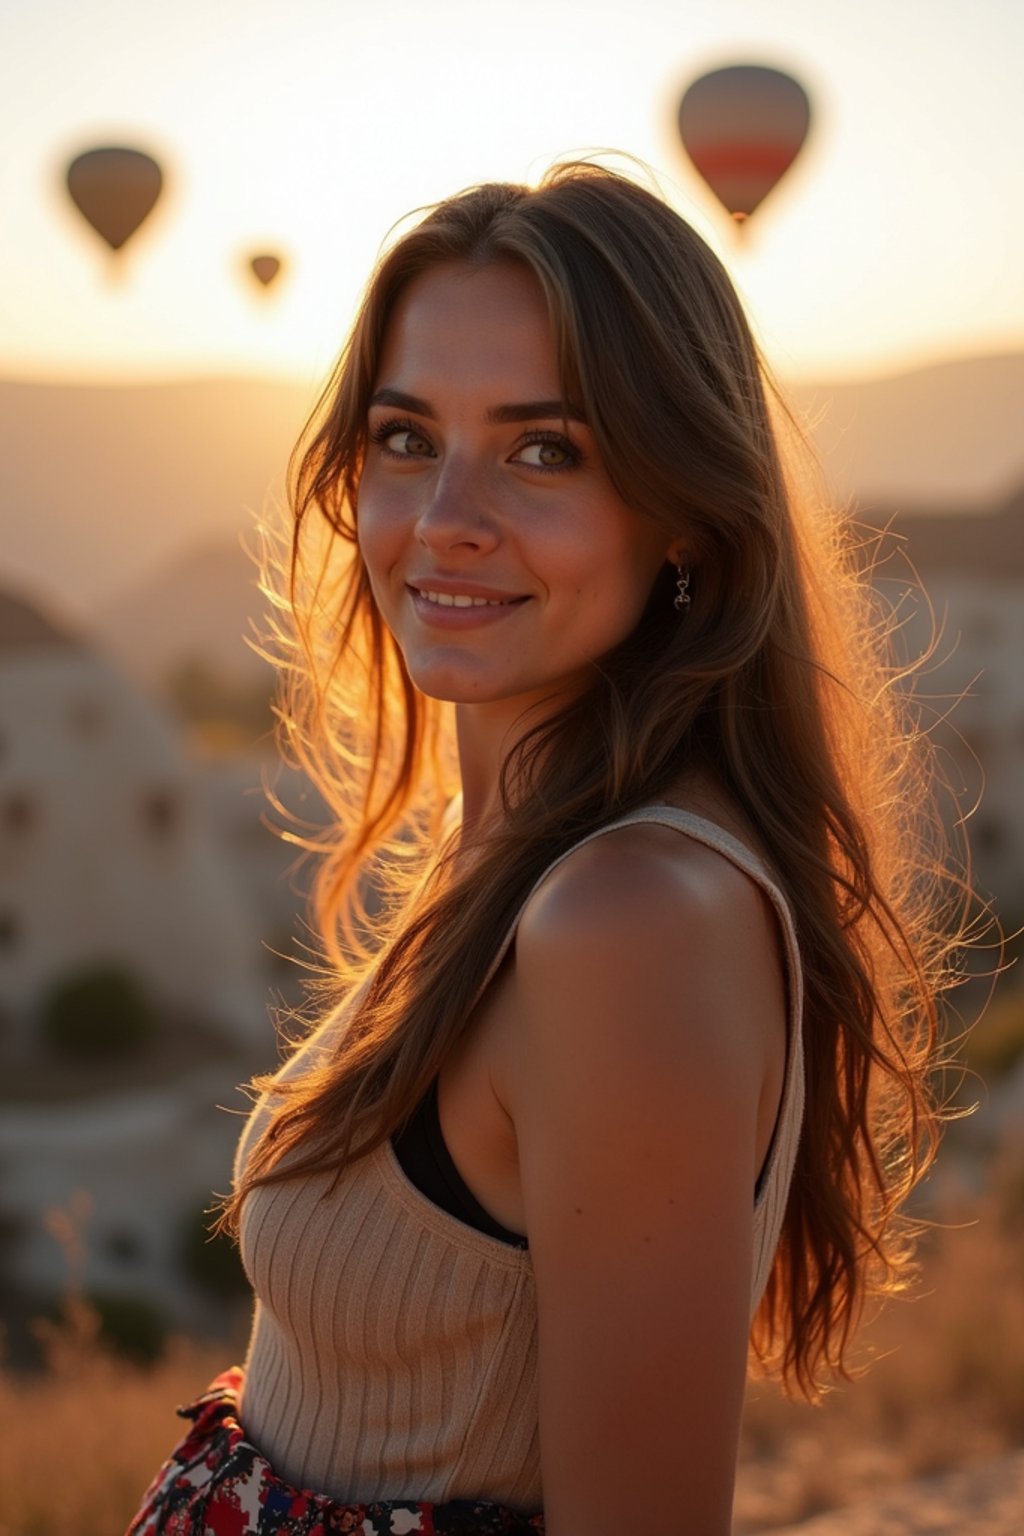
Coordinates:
x,y
682,600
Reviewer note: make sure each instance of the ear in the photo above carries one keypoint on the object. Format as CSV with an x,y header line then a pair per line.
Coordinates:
x,y
677,555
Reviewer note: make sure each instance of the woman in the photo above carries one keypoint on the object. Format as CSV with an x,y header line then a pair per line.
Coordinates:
x,y
547,1167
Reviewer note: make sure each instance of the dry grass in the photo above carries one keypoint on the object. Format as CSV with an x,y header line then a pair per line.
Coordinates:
x,y
945,1389
80,1443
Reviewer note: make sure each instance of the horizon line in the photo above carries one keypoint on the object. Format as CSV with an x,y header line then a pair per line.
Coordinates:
x,y
147,378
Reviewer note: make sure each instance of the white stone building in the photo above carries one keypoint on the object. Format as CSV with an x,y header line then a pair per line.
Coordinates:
x,y
108,857
105,855
147,1162
972,569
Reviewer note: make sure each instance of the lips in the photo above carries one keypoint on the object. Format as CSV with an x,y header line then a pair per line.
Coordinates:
x,y
459,607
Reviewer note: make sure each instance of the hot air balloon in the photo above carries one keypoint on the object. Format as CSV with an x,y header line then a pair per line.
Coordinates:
x,y
265,268
114,189
743,127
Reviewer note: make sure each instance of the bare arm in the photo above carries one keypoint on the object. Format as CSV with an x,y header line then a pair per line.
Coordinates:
x,y
650,1004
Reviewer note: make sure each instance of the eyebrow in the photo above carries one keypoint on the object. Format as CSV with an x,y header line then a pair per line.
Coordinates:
x,y
528,410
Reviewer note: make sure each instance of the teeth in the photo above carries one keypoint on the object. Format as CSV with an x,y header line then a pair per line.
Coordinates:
x,y
461,600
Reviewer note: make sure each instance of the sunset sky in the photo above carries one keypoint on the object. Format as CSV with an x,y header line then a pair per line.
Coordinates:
x,y
309,128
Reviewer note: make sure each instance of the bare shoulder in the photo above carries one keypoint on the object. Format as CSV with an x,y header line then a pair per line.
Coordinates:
x,y
642,882
646,914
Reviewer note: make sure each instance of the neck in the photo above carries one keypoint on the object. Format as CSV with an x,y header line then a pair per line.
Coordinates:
x,y
485,735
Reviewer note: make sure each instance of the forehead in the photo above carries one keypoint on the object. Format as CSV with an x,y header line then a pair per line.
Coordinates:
x,y
478,327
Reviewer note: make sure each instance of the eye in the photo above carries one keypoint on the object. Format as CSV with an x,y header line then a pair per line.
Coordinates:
x,y
402,440
548,451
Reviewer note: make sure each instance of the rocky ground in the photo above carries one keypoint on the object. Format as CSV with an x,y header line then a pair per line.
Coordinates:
x,y
984,1500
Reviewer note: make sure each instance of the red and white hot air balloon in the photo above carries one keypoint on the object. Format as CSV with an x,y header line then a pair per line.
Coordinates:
x,y
743,126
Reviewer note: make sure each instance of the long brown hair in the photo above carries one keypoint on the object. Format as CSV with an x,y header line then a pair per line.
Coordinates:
x,y
774,685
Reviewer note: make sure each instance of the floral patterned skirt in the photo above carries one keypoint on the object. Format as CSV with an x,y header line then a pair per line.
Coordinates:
x,y
216,1484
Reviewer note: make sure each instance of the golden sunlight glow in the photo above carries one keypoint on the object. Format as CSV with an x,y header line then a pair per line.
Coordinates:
x,y
309,132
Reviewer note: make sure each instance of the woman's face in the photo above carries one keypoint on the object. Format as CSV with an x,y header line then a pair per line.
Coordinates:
x,y
500,556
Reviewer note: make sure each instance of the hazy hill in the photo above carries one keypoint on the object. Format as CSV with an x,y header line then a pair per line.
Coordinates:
x,y
197,609
944,438
104,488
100,486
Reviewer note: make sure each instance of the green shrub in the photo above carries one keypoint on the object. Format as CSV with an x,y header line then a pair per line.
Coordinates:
x,y
200,695
211,1263
131,1325
99,1011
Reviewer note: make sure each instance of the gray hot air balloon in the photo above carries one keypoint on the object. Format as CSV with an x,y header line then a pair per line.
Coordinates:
x,y
265,268
115,189
743,127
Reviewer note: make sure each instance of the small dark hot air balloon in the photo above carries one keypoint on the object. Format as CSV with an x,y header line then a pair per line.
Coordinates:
x,y
114,189
265,268
743,127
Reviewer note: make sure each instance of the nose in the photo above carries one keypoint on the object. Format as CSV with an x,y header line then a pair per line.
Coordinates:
x,y
454,513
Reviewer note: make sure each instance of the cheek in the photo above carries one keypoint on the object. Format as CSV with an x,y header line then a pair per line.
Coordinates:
x,y
378,561
626,557
378,535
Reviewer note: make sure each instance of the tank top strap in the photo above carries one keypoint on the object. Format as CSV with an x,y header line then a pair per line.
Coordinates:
x,y
702,831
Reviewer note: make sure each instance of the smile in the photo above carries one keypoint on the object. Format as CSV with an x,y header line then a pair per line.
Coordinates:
x,y
463,600
460,610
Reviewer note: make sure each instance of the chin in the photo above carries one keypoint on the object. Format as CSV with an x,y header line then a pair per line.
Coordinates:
x,y
454,685
461,692
449,685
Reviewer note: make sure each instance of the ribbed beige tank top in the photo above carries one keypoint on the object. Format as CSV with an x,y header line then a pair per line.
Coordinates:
x,y
394,1349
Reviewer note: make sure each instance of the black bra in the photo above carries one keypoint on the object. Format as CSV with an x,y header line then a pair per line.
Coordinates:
x,y
427,1163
